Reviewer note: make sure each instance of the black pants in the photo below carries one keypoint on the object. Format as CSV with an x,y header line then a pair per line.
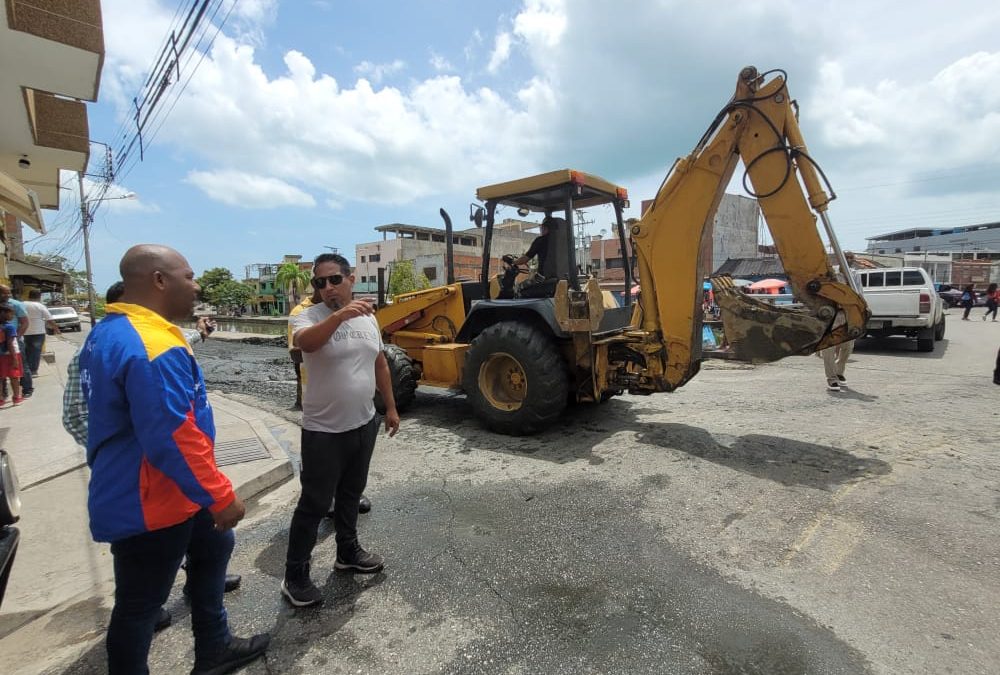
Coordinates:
x,y
991,308
145,568
334,468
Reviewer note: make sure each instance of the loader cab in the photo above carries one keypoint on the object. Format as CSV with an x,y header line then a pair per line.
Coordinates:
x,y
556,196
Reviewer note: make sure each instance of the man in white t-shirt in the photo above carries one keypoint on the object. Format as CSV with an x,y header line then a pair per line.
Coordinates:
x,y
39,318
341,347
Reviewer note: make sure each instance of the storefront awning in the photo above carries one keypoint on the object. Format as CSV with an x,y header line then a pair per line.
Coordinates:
x,y
22,202
20,268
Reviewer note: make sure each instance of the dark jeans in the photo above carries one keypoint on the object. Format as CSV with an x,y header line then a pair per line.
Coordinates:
x,y
145,568
991,308
968,308
27,383
334,468
33,352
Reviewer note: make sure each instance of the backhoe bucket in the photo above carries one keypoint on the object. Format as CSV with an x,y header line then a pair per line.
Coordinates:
x,y
760,332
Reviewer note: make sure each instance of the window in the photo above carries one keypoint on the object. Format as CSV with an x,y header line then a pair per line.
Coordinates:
x,y
468,241
912,278
596,263
876,279
614,264
893,278
374,257
364,279
362,258
437,237
431,273
423,236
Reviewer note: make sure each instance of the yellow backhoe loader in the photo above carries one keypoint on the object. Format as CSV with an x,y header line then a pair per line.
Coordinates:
x,y
522,352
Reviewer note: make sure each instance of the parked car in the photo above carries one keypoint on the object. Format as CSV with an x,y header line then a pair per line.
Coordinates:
x,y
10,512
951,296
66,318
903,301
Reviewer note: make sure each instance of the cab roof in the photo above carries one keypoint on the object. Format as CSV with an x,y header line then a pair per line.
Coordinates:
x,y
548,191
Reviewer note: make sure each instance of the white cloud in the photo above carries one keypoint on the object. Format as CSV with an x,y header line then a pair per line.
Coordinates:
x,y
501,52
620,92
249,191
376,72
440,63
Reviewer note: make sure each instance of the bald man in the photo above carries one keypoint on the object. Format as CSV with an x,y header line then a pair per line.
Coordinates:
x,y
155,492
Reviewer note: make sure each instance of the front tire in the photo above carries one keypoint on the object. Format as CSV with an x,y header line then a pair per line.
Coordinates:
x,y
515,379
404,379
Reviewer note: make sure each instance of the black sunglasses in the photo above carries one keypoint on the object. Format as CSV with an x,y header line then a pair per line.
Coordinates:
x,y
320,282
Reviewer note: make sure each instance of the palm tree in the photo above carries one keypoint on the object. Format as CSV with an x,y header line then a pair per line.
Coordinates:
x,y
294,279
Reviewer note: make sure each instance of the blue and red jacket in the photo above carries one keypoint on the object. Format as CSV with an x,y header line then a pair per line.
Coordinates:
x,y
151,436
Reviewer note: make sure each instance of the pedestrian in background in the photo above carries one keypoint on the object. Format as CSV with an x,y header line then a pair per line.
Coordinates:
x,y
21,318
992,301
10,354
39,318
341,346
968,301
835,363
294,353
155,491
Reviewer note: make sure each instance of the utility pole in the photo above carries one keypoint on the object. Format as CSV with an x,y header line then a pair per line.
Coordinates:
x,y
85,227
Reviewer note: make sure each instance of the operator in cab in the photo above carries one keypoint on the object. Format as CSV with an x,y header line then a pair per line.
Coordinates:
x,y
539,247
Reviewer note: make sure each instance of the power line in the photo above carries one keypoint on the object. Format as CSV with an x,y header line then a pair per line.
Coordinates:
x,y
198,51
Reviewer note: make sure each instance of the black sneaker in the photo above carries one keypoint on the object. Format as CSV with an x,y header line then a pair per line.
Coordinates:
x,y
364,506
239,652
163,620
833,385
359,560
232,582
301,592
842,380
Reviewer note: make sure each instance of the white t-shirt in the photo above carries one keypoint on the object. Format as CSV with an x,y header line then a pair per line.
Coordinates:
x,y
38,314
341,373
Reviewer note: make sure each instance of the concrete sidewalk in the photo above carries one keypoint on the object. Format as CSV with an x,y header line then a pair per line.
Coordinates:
x,y
61,578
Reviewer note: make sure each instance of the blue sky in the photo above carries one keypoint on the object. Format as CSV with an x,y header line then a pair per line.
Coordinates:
x,y
311,122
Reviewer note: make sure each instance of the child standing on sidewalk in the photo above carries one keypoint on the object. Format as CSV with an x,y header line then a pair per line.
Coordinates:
x,y
10,356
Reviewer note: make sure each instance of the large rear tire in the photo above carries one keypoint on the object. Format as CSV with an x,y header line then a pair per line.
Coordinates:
x,y
939,330
515,379
404,379
925,340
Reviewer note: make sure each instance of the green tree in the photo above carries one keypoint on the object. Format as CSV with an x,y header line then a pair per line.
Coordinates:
x,y
404,279
291,277
230,295
212,278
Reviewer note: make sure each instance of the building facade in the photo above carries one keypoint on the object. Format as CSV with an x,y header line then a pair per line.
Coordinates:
x,y
270,298
955,256
52,53
426,247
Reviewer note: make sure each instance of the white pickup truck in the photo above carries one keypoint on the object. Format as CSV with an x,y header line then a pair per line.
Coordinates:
x,y
903,302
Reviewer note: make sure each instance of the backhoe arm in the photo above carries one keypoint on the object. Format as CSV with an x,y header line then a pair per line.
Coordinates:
x,y
758,126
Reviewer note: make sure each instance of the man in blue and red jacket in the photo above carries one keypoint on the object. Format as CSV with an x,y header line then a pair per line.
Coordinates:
x,y
155,491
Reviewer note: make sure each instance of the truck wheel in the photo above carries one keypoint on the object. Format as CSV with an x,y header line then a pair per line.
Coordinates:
x,y
925,340
939,330
404,379
515,379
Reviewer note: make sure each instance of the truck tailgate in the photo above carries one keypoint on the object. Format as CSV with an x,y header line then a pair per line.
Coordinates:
x,y
893,301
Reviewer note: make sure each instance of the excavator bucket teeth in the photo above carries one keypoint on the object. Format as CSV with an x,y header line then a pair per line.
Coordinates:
x,y
759,331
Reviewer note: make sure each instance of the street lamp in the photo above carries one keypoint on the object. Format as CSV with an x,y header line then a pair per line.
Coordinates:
x,y
87,218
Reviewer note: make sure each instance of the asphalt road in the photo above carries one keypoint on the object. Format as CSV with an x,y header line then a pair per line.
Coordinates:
x,y
751,522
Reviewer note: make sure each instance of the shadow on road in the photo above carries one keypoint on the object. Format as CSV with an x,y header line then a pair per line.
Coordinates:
x,y
783,460
899,346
